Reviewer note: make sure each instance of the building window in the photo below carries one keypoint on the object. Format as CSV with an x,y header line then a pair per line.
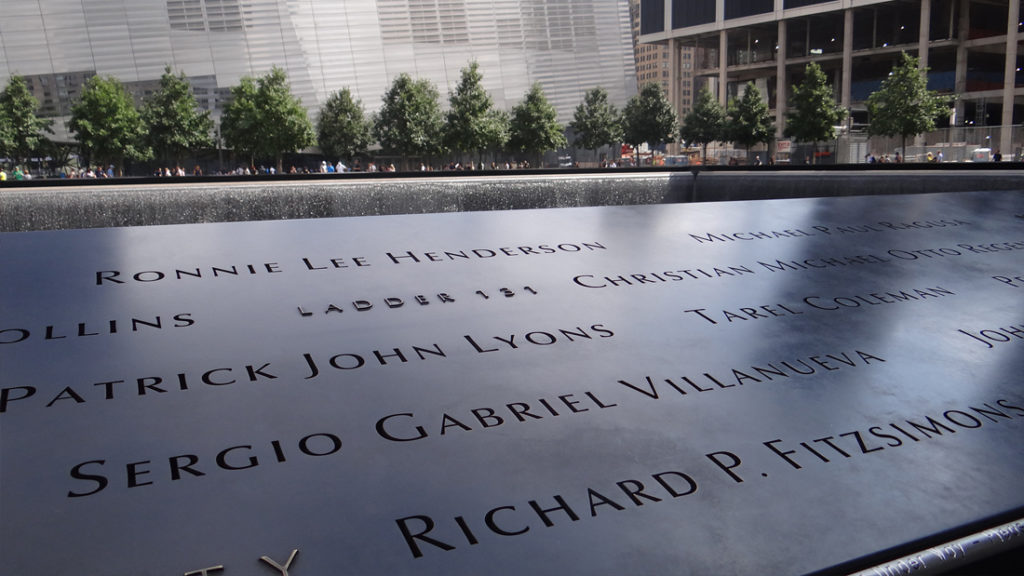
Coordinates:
x,y
652,16
741,8
202,15
223,15
692,13
55,104
798,3
185,15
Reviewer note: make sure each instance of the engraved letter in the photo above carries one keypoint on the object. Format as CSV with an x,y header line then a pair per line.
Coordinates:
x,y
726,467
410,538
101,481
204,571
287,565
5,395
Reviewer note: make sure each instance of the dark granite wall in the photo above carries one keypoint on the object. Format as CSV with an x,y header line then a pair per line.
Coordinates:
x,y
80,204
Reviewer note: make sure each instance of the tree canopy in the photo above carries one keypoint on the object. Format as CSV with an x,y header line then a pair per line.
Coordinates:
x,y
6,135
174,123
534,125
472,123
814,113
286,126
264,119
239,121
21,130
648,117
596,121
107,125
410,123
343,130
750,119
903,106
499,130
705,123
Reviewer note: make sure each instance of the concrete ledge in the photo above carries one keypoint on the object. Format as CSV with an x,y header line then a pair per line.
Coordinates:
x,y
143,202
719,186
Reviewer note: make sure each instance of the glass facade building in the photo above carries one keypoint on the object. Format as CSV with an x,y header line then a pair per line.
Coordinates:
x,y
973,50
569,46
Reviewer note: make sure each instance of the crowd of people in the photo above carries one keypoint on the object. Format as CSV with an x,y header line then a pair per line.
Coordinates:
x,y
16,174
897,159
19,173
340,167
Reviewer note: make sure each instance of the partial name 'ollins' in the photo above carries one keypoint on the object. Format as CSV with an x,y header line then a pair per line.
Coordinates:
x,y
54,332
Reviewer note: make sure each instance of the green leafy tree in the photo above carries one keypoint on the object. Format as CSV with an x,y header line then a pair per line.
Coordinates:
x,y
705,123
265,120
174,123
59,153
813,113
410,123
471,123
240,122
285,123
903,106
648,117
596,121
750,119
534,125
6,135
343,130
107,125
21,131
499,130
